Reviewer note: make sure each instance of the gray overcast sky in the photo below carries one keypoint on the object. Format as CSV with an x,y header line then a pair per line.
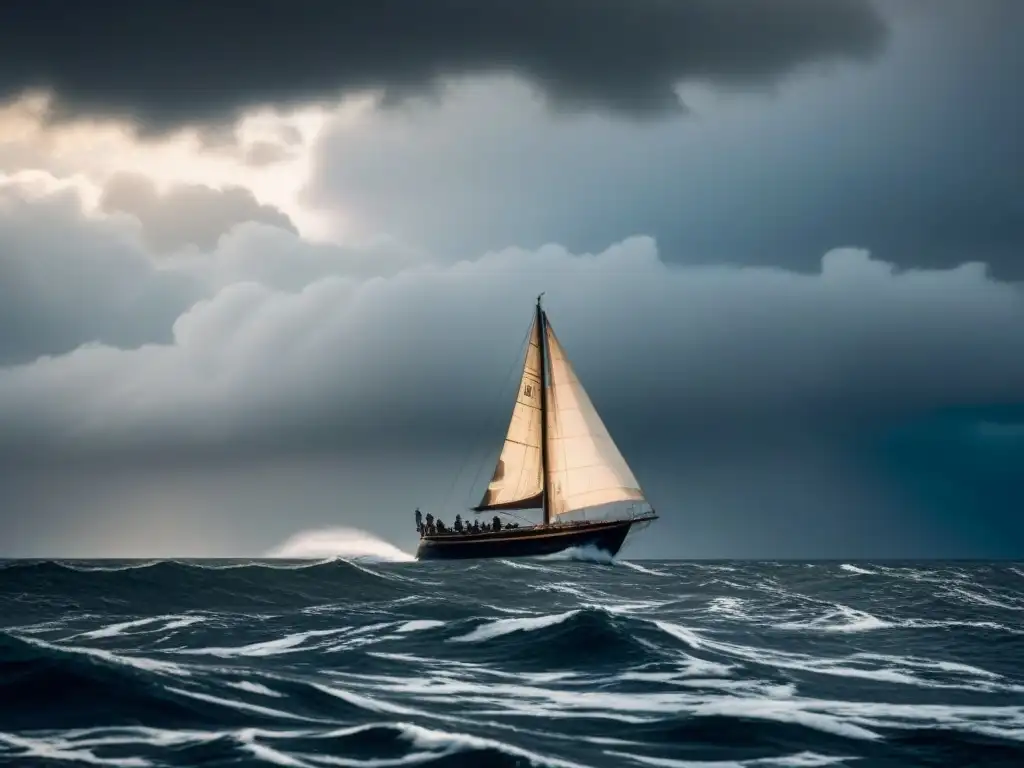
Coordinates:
x,y
788,264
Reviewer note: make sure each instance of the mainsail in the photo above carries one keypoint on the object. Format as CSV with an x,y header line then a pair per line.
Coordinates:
x,y
585,468
517,482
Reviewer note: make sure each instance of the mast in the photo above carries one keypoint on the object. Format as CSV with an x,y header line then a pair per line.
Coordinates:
x,y
541,326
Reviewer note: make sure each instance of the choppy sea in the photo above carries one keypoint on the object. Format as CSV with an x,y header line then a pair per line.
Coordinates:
x,y
511,663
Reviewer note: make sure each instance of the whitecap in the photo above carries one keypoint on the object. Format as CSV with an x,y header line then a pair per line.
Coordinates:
x,y
587,554
247,739
842,619
286,644
499,627
855,569
458,742
523,566
688,636
559,586
112,630
842,667
968,596
82,568
45,750
259,688
639,568
628,608
798,760
728,606
239,705
139,662
350,543
419,624
365,702
785,711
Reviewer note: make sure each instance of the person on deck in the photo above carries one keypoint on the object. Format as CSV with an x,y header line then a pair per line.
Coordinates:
x,y
496,523
458,524
430,524
419,521
476,526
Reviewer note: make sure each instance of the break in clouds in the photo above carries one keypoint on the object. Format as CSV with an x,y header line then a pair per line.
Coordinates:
x,y
297,346
167,64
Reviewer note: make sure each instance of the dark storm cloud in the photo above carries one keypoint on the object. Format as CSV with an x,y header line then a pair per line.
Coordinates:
x,y
168,63
680,356
187,214
912,157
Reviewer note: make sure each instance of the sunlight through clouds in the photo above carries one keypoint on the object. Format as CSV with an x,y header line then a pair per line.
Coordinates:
x,y
266,151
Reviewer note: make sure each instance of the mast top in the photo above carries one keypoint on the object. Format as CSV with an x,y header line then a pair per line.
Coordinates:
x,y
539,298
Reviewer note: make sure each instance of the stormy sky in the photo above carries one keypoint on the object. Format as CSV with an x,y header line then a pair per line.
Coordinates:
x,y
267,273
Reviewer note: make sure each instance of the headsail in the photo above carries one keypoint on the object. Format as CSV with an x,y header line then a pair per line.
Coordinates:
x,y
585,467
518,482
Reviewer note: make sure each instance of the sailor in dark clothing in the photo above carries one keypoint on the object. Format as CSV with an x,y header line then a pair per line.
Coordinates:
x,y
476,526
419,521
430,524
458,524
496,523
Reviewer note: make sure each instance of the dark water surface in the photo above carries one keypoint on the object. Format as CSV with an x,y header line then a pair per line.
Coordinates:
x,y
500,663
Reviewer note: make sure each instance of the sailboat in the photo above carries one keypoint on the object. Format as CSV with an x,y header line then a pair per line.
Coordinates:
x,y
557,457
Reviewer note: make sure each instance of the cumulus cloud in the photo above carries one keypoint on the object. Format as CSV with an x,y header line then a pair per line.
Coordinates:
x,y
69,278
185,186
419,357
66,280
263,153
187,214
620,55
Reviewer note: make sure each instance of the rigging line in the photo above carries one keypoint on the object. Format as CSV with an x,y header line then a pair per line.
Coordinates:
x,y
451,488
508,513
519,360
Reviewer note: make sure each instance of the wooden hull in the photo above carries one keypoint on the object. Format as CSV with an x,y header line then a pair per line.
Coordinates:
x,y
527,542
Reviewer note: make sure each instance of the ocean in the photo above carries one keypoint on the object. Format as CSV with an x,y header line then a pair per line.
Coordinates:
x,y
546,662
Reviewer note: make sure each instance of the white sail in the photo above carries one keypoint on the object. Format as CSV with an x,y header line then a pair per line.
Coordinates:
x,y
585,468
517,482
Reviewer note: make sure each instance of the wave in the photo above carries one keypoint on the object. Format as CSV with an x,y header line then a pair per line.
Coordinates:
x,y
584,554
841,619
186,587
855,569
592,554
350,543
592,636
890,669
89,685
530,662
499,627
797,760
302,747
